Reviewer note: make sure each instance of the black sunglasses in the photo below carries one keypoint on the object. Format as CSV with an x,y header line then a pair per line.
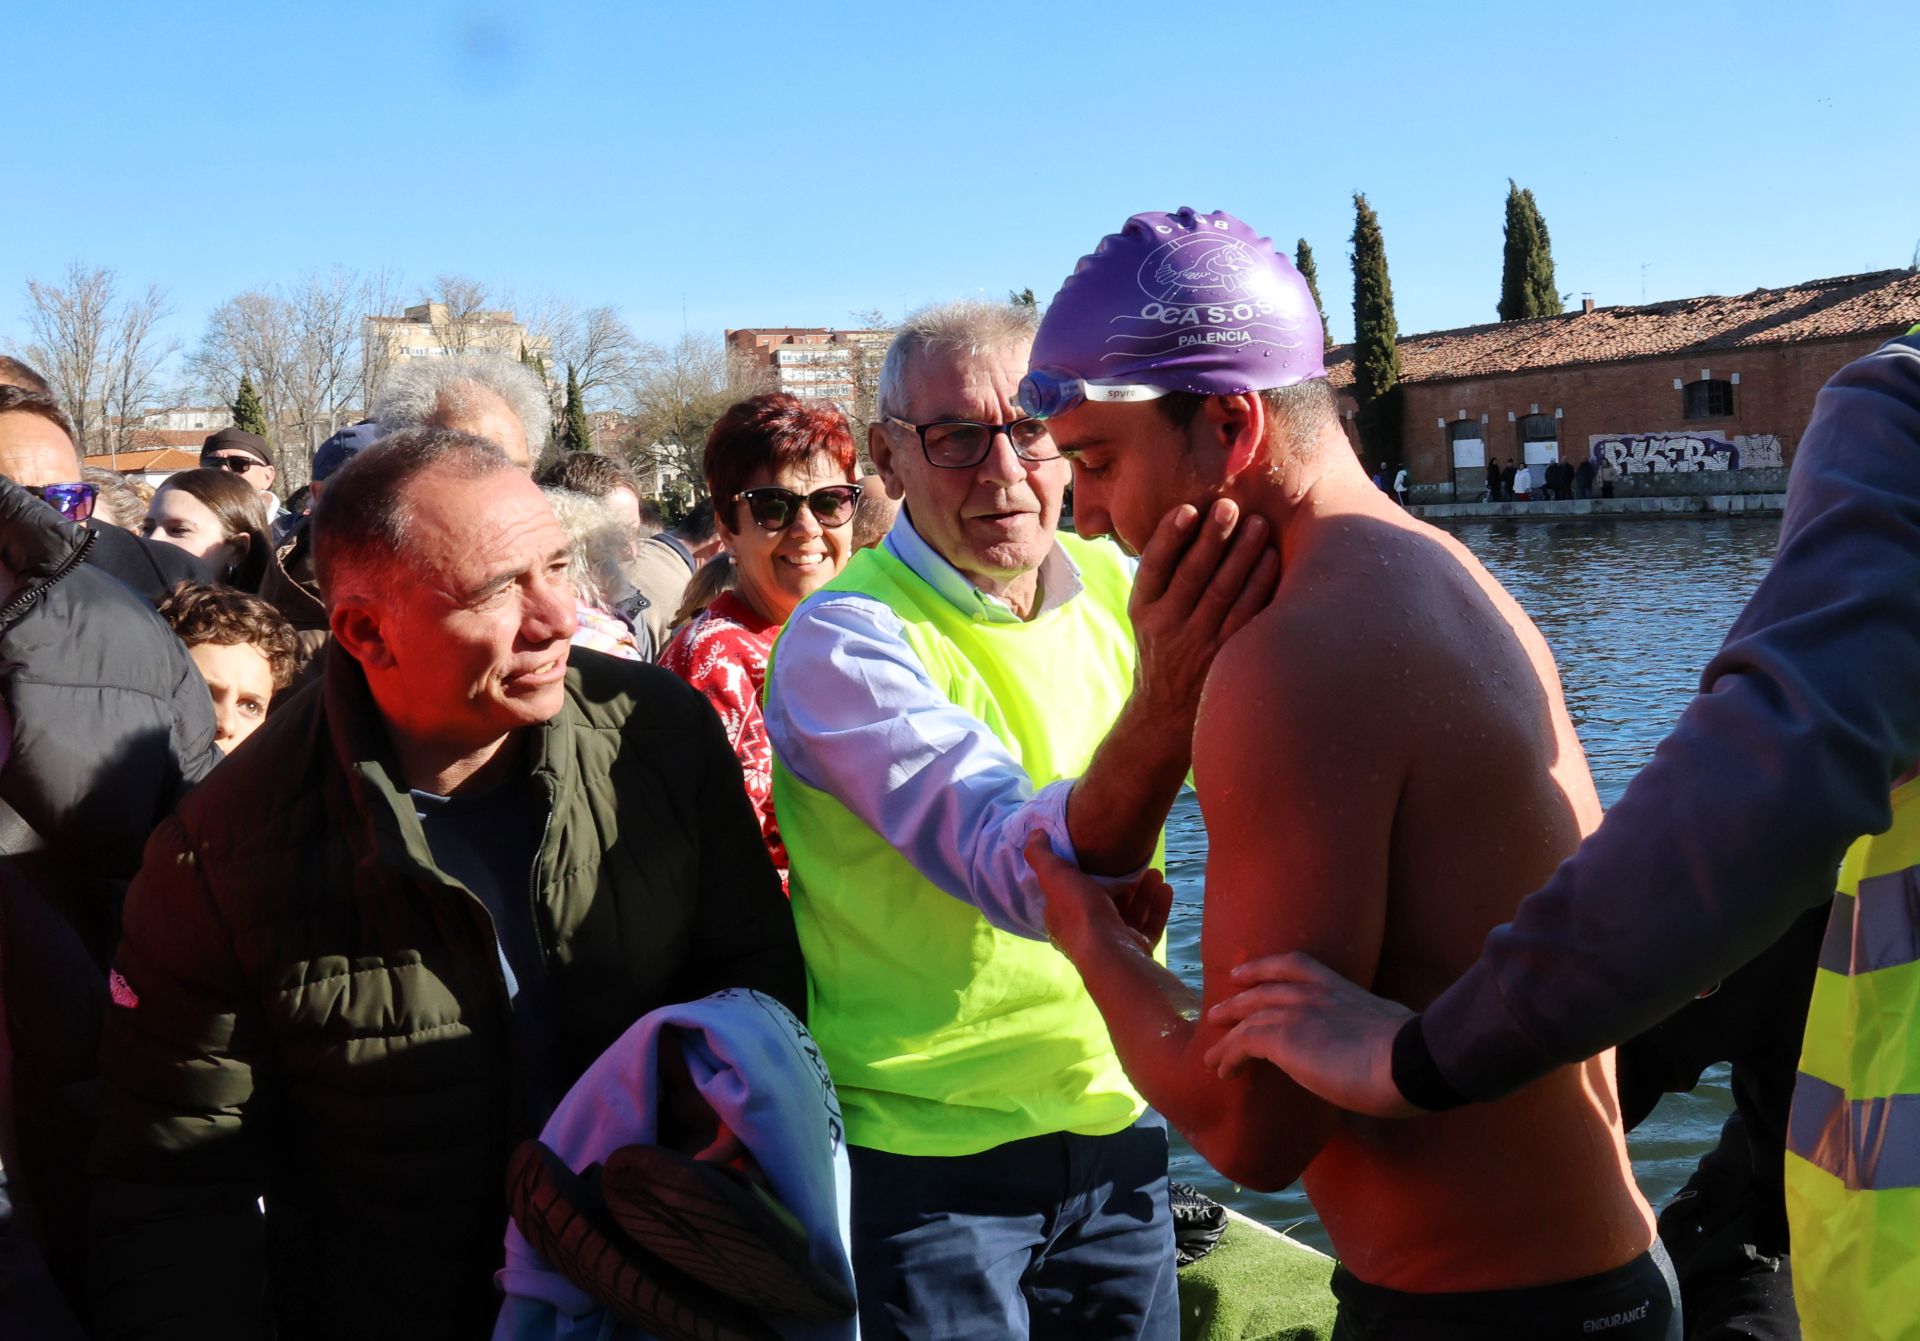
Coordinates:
x,y
72,501
962,444
774,508
239,465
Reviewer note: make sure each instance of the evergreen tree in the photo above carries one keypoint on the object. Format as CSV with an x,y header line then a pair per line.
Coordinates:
x,y
1303,262
1376,350
1527,285
577,435
1023,298
248,413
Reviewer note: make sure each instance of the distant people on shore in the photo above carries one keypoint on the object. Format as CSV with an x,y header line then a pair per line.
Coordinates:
x,y
1400,486
1522,491
781,474
1609,476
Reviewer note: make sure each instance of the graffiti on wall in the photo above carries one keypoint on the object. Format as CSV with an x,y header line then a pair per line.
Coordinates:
x,y
1684,453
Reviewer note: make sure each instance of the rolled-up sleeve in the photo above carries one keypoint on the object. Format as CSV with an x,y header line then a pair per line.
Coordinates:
x,y
851,711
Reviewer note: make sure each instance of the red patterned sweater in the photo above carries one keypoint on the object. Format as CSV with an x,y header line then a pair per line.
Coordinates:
x,y
722,652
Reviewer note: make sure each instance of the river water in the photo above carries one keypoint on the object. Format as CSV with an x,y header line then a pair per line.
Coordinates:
x,y
1632,610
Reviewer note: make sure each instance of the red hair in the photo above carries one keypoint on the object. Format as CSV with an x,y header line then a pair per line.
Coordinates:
x,y
769,433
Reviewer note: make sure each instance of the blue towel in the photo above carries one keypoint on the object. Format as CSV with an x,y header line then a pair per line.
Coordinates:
x,y
759,1069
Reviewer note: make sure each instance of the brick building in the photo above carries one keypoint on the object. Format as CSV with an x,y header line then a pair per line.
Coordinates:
x,y
1697,395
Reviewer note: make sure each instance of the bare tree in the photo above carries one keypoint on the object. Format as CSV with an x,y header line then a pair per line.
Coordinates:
x,y
464,300
134,354
678,392
100,352
306,351
600,350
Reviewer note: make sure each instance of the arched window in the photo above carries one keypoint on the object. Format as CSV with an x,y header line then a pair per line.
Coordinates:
x,y
1709,398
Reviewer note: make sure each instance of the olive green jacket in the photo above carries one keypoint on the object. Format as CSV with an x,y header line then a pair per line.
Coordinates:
x,y
307,1010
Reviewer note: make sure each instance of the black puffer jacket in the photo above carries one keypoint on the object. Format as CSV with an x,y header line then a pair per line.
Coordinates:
x,y
314,1012
110,723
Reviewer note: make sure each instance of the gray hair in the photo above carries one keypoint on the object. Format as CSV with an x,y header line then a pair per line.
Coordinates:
x,y
363,523
413,390
970,326
598,548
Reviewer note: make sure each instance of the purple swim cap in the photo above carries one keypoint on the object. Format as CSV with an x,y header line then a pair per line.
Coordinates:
x,y
1183,302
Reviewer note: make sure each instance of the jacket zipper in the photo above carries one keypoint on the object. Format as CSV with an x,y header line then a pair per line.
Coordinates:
x,y
22,603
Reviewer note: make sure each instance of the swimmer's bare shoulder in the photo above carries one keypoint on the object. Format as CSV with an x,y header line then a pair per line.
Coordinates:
x,y
1337,782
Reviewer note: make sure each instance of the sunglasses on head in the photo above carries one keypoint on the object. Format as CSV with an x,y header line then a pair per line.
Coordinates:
x,y
72,501
774,508
239,465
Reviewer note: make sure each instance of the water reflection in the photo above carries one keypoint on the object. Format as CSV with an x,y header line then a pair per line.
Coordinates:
x,y
1632,611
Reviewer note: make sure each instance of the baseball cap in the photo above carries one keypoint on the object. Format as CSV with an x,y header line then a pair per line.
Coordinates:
x,y
343,446
1174,302
237,440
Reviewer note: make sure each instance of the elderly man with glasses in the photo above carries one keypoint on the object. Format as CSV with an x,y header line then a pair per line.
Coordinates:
x,y
968,683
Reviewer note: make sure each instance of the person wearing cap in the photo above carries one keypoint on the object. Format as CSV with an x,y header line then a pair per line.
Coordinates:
x,y
246,455
967,683
1180,364
289,584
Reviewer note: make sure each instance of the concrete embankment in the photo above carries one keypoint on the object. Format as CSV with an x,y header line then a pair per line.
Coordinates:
x,y
1608,509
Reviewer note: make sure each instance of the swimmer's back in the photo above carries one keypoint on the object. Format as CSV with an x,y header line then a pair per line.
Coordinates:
x,y
1429,706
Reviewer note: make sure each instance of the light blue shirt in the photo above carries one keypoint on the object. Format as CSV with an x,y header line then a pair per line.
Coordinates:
x,y
850,712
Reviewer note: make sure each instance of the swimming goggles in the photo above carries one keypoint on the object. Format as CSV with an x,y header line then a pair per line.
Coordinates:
x,y
1045,393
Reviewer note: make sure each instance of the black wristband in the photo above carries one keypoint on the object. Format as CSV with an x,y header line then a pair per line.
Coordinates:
x,y
1417,1076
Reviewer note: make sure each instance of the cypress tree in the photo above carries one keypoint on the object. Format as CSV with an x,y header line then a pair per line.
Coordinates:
x,y
1540,278
1303,262
1376,351
1527,285
577,436
248,413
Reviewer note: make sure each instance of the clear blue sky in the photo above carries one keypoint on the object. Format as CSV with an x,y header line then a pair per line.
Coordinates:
x,y
754,164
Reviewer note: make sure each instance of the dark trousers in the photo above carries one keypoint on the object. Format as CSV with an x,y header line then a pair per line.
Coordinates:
x,y
1055,1236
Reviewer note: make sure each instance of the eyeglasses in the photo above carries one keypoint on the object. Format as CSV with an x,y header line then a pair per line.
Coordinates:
x,y
72,501
961,444
774,508
239,465
1047,392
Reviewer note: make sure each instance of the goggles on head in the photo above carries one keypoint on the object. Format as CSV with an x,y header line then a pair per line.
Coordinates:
x,y
1045,393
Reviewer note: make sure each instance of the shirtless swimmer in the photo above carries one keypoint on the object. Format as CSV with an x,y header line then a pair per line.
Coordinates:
x,y
1385,767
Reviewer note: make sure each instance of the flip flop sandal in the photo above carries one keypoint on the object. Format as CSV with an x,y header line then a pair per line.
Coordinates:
x,y
723,1229
563,1217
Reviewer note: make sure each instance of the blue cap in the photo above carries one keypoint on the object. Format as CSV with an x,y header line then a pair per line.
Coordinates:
x,y
343,446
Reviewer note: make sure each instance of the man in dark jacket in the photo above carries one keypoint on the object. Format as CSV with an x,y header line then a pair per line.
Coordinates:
x,y
106,723
37,451
363,959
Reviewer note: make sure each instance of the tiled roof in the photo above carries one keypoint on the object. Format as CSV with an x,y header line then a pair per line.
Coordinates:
x,y
149,458
1883,303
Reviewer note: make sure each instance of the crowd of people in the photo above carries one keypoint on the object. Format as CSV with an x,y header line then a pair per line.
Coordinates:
x,y
388,872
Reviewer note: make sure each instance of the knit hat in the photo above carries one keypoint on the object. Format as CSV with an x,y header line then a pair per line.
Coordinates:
x,y
237,440
1178,302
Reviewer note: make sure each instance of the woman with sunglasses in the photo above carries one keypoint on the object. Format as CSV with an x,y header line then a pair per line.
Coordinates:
x,y
216,517
781,472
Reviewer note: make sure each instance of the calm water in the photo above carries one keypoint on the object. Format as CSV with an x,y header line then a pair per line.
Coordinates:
x,y
1633,610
